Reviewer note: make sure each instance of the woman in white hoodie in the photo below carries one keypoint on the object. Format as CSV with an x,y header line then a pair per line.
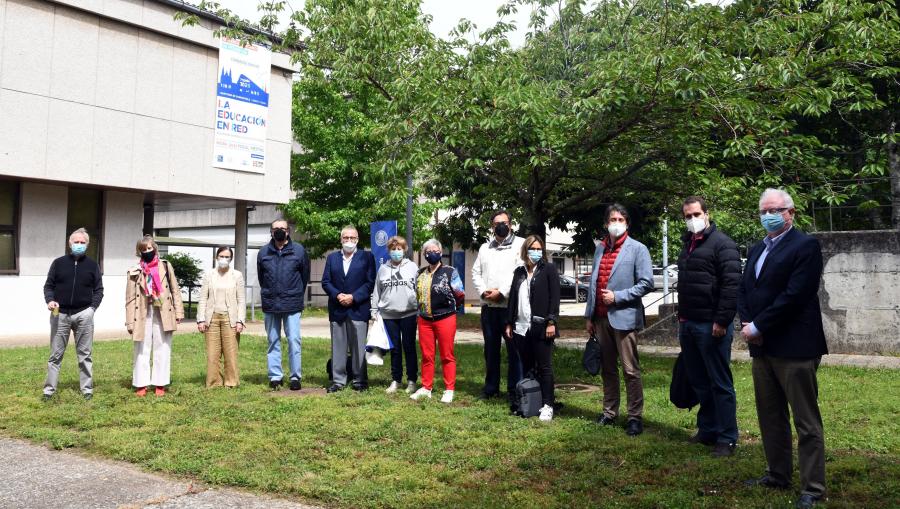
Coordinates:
x,y
395,300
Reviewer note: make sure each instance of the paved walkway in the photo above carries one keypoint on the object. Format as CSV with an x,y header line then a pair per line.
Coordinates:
x,y
40,478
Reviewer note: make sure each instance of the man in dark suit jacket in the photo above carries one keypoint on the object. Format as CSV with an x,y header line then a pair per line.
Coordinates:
x,y
349,279
779,308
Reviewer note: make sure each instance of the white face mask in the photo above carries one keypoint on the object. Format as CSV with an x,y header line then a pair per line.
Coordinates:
x,y
695,224
223,262
349,247
616,229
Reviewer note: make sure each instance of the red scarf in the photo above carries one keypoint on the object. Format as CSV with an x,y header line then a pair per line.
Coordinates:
x,y
151,270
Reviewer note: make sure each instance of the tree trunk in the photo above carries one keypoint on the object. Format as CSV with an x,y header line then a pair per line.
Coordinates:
x,y
534,222
894,168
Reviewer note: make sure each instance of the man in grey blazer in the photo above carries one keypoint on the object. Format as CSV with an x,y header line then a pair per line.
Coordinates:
x,y
622,275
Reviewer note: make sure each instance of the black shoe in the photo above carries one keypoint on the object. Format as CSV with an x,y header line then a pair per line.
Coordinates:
x,y
766,482
723,450
334,388
514,410
295,384
634,427
605,420
88,396
46,397
807,501
275,384
488,395
697,438
360,387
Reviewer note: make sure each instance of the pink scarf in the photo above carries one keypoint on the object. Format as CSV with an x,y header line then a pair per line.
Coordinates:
x,y
151,270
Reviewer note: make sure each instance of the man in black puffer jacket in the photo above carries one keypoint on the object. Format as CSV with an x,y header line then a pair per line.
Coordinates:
x,y
282,267
709,272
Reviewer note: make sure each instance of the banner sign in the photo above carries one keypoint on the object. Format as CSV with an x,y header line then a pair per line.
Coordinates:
x,y
242,106
381,232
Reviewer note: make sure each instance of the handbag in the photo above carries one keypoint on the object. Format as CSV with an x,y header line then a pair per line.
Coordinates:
x,y
377,342
681,394
592,358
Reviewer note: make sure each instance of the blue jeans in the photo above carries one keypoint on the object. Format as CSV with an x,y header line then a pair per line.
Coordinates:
x,y
291,323
493,321
708,364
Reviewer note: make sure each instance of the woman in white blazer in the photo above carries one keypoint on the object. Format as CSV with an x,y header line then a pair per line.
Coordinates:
x,y
220,315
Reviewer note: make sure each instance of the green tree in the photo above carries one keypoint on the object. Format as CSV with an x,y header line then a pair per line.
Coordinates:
x,y
186,267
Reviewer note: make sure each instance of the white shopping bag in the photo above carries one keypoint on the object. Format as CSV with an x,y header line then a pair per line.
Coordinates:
x,y
377,342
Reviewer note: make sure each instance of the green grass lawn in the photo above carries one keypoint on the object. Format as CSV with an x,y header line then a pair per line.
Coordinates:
x,y
375,450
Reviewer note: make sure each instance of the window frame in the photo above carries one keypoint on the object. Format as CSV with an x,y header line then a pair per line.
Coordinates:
x,y
14,229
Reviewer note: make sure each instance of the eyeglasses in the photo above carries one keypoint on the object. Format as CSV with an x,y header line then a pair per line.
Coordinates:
x,y
279,229
349,238
779,210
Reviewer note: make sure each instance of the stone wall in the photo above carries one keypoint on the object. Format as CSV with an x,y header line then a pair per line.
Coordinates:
x,y
859,295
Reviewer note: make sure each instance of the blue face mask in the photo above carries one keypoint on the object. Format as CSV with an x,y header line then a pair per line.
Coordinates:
x,y
78,249
432,257
397,255
535,255
772,222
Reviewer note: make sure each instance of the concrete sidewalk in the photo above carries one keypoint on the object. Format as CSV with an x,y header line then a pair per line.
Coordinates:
x,y
40,478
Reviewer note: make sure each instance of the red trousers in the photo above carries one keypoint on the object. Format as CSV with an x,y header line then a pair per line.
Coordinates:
x,y
442,332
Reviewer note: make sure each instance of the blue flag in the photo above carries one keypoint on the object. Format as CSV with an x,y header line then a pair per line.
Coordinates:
x,y
381,232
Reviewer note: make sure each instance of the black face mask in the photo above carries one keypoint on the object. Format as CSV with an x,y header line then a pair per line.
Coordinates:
x,y
433,258
279,235
501,230
147,256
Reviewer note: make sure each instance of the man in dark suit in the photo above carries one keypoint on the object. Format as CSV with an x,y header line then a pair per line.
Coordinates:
x,y
779,308
348,279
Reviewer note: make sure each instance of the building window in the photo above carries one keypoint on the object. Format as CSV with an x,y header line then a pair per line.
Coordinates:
x,y
86,211
560,263
9,227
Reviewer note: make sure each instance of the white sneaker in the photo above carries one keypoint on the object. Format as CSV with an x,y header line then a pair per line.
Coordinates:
x,y
421,393
447,397
410,387
392,388
546,413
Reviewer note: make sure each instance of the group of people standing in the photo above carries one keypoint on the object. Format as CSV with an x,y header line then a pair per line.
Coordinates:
x,y
775,296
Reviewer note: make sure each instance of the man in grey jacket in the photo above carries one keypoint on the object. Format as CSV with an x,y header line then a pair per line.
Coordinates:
x,y
622,275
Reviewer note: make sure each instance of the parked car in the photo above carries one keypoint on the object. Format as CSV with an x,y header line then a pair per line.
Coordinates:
x,y
658,277
571,288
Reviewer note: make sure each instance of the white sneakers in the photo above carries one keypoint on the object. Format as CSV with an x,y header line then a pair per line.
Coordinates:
x,y
410,387
546,413
392,388
421,393
447,397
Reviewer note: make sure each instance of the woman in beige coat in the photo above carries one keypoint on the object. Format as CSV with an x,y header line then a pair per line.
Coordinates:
x,y
153,310
220,315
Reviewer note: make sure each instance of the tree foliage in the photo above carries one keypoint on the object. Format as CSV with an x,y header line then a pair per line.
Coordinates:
x,y
187,269
640,101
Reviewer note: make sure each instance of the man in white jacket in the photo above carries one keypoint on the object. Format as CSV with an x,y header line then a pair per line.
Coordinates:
x,y
492,276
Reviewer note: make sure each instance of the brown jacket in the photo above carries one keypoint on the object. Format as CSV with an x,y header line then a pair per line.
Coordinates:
x,y
172,308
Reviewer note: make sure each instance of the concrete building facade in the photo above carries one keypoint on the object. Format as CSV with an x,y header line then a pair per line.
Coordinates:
x,y
108,115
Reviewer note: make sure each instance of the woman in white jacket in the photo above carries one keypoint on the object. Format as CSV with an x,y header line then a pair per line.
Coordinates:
x,y
220,316
394,299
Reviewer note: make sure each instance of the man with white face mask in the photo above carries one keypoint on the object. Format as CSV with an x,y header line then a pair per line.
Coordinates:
x,y
622,275
73,291
709,271
348,279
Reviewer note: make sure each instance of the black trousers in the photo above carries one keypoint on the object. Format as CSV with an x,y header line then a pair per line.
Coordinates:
x,y
402,332
537,356
493,322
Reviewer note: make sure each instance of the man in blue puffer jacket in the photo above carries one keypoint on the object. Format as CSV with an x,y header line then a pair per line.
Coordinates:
x,y
282,267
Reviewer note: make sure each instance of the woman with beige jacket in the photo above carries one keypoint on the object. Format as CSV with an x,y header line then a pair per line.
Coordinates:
x,y
220,315
153,310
